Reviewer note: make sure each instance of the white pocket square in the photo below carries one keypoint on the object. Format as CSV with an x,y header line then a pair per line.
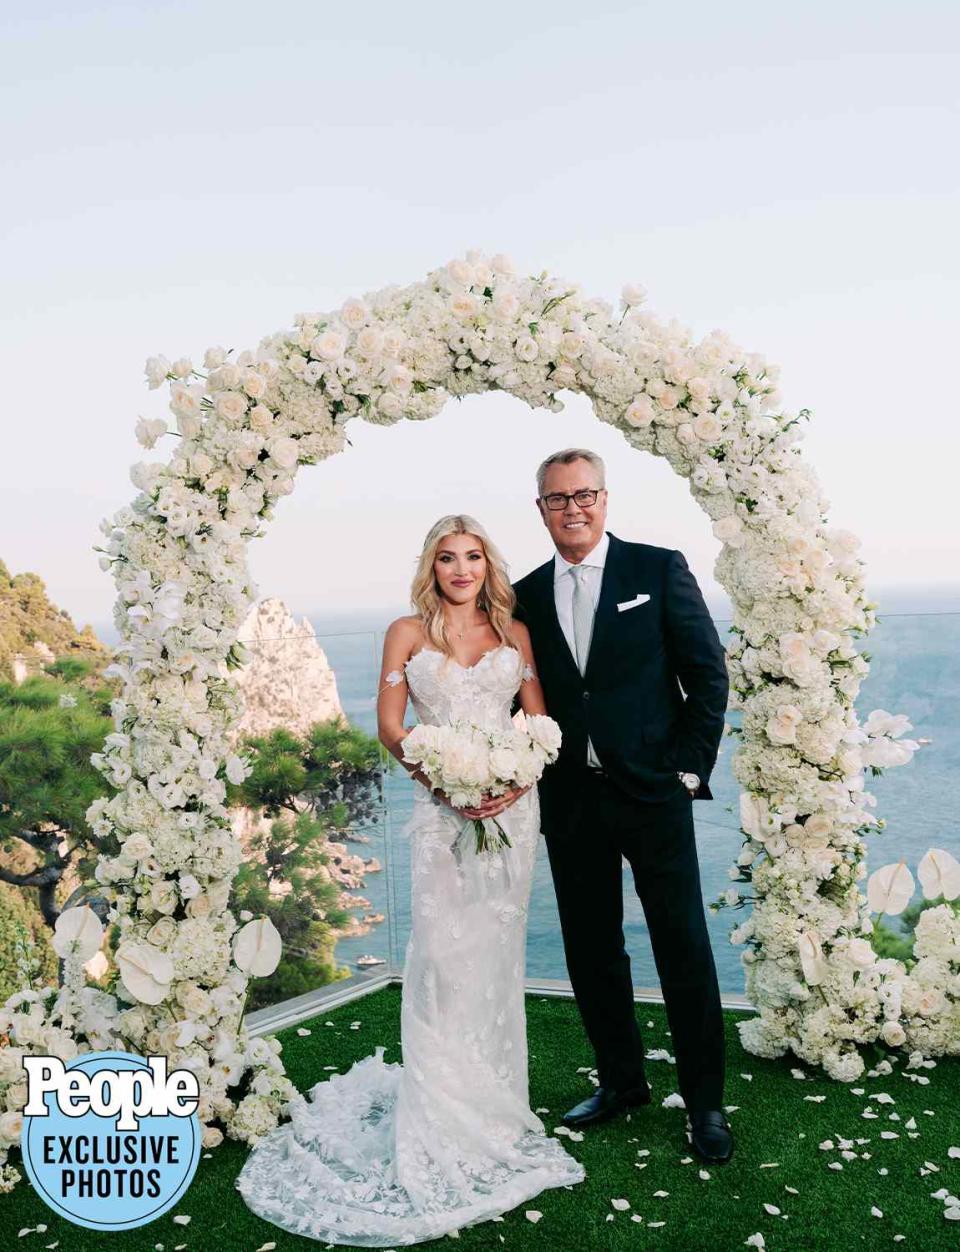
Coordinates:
x,y
632,604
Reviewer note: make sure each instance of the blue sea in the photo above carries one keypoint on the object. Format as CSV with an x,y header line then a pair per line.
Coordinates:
x,y
915,669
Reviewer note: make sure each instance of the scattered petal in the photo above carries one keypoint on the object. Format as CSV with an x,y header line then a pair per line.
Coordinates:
x,y
704,1174
835,1165
661,1194
673,1101
954,1154
181,1219
772,1210
748,1077
819,1099
889,1134
792,1190
952,1214
875,1211
755,1241
302,1032
533,1215
620,1205
770,1165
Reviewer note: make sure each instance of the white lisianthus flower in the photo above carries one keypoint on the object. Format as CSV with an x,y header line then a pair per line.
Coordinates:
x,y
156,369
149,430
707,428
527,348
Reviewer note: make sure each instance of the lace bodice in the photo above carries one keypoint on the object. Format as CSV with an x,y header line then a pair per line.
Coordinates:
x,y
444,691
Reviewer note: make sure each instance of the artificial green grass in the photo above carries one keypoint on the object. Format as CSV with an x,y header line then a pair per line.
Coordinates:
x,y
774,1124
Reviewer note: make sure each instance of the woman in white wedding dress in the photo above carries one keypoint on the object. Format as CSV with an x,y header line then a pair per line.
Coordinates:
x,y
390,1154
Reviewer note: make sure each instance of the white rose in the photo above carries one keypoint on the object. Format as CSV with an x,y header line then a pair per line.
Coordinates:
x,y
231,405
148,431
707,428
390,404
461,272
254,384
354,314
11,1127
893,1034
640,412
527,348
329,346
632,295
729,530
782,727
370,341
464,306
138,846
861,953
261,419
163,896
283,451
213,358
189,887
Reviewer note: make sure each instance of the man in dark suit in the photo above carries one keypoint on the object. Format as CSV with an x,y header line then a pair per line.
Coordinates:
x,y
634,672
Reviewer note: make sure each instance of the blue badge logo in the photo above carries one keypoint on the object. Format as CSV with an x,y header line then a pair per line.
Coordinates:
x,y
110,1141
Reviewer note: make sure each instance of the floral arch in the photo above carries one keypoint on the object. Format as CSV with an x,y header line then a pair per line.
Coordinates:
x,y
246,422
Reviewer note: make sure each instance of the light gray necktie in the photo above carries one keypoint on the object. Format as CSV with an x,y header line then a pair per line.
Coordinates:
x,y
582,615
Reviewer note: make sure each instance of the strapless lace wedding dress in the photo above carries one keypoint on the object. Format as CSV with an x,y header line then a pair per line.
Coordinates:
x,y
391,1154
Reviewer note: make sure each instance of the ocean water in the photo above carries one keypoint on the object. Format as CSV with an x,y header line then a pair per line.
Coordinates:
x,y
915,669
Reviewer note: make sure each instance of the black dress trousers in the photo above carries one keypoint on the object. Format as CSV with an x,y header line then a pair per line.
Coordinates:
x,y
658,841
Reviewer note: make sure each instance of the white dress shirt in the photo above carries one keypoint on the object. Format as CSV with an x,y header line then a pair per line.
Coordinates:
x,y
593,563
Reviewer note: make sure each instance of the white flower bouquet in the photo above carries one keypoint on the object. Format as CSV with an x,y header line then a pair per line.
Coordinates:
x,y
470,762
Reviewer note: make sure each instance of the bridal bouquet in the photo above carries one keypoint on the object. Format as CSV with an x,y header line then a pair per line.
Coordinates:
x,y
472,762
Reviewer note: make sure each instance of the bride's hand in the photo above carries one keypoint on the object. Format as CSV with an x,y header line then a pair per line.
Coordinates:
x,y
494,805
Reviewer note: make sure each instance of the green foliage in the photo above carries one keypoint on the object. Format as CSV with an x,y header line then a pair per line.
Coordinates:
x,y
325,783
888,942
46,779
26,957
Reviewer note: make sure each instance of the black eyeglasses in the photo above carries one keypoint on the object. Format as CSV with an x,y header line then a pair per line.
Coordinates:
x,y
583,499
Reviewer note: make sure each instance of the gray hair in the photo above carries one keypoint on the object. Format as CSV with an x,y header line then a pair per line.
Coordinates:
x,y
566,457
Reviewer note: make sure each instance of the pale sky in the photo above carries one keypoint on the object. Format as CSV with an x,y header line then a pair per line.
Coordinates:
x,y
180,175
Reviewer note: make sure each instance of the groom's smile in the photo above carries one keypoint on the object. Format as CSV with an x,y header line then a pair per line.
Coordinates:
x,y
575,526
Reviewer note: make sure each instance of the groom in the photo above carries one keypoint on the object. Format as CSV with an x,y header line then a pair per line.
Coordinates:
x,y
618,629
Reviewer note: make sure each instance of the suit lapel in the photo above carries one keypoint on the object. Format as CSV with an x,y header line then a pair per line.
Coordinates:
x,y
606,605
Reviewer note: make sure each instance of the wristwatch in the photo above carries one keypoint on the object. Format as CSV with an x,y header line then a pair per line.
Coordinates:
x,y
690,781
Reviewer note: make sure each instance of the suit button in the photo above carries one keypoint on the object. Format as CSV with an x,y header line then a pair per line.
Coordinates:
x,y
586,695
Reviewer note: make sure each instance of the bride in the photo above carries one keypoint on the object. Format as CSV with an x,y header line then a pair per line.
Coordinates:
x,y
391,1154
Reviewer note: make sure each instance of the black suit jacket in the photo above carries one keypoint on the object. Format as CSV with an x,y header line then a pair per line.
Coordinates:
x,y
654,694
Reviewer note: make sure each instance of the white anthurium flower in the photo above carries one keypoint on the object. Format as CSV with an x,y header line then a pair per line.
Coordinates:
x,y
145,971
889,889
77,931
939,874
257,948
811,957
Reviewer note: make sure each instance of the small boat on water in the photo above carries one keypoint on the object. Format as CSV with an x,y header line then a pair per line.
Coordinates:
x,y
370,960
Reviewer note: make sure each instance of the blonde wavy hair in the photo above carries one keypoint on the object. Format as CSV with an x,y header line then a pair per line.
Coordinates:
x,y
496,596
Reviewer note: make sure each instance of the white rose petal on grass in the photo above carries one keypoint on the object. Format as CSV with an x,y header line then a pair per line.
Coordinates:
x,y
620,1205
257,948
953,1153
673,1101
875,1211
792,1190
302,1032
661,1194
533,1215
181,1219
755,1241
952,1214
704,1174
748,1077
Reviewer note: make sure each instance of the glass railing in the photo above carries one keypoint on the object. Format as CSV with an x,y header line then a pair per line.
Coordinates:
x,y
915,669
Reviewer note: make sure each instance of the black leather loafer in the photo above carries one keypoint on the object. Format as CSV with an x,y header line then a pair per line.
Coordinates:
x,y
710,1136
605,1103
